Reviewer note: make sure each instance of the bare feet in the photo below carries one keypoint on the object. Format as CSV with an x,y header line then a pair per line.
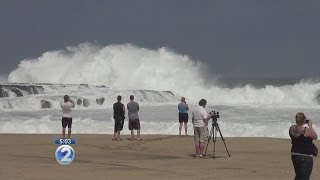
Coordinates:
x,y
197,156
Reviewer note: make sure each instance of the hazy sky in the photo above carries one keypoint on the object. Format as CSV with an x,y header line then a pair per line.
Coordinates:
x,y
239,38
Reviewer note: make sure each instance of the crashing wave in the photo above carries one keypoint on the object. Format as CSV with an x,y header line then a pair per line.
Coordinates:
x,y
46,96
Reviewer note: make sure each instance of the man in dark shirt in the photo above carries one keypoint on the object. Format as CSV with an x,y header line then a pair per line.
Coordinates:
x,y
118,116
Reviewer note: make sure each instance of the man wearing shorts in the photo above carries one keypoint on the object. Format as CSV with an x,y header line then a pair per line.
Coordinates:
x,y
183,115
66,107
118,116
134,121
200,120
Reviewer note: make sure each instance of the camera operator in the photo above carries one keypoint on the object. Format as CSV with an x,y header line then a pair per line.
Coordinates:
x,y
200,120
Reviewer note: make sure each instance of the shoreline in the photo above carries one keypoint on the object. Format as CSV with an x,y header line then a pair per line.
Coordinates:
x,y
30,156
91,134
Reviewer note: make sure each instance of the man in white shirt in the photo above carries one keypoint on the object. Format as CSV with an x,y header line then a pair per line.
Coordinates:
x,y
200,120
66,107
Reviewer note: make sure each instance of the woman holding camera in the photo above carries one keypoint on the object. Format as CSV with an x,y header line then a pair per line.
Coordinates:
x,y
302,151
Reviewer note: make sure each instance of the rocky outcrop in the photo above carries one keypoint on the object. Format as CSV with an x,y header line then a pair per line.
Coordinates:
x,y
19,89
86,102
45,104
17,92
100,101
79,102
169,92
3,93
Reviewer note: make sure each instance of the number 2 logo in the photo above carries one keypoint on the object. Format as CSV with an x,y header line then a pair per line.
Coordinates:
x,y
65,154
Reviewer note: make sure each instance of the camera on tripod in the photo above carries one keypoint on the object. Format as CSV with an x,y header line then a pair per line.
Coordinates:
x,y
213,133
216,115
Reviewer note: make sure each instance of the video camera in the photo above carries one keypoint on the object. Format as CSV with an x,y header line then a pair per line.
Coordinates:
x,y
215,116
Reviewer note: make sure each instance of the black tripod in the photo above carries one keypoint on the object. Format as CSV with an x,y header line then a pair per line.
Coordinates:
x,y
213,134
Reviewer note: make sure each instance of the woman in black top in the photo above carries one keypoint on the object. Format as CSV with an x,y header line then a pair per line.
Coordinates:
x,y
302,134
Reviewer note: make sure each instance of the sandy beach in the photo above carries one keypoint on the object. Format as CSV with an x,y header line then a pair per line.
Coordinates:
x,y
156,157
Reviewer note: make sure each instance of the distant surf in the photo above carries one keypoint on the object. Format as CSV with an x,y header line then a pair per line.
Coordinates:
x,y
93,76
128,67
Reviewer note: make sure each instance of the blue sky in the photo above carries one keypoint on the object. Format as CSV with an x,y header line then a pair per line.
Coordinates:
x,y
245,38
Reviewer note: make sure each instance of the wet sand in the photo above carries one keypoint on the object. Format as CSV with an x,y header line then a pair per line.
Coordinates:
x,y
156,157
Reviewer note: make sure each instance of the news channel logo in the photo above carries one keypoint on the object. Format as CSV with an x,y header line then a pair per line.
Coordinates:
x,y
65,155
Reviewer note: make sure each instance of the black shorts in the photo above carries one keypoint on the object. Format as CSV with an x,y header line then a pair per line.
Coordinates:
x,y
66,121
183,117
134,124
118,125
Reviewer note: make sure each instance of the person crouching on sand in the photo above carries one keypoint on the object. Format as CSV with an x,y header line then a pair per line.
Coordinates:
x,y
118,116
66,107
200,120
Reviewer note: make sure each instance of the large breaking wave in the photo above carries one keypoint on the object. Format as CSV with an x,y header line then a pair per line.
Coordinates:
x,y
94,76
128,67
117,66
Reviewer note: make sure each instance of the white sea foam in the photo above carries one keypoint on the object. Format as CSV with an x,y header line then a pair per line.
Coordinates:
x,y
54,94
128,67
246,111
234,121
117,66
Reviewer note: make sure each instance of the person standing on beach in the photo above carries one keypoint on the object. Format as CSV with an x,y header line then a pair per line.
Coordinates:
x,y
66,107
183,115
302,151
134,121
200,120
118,116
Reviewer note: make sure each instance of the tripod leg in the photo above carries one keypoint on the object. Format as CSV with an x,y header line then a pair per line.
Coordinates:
x,y
214,139
218,129
209,138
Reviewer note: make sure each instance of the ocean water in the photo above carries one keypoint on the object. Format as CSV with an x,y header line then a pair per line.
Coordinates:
x,y
234,121
94,76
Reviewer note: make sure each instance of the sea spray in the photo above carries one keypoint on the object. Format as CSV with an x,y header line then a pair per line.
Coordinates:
x,y
128,67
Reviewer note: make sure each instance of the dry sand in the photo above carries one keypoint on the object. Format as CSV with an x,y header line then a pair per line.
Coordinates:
x,y
156,157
